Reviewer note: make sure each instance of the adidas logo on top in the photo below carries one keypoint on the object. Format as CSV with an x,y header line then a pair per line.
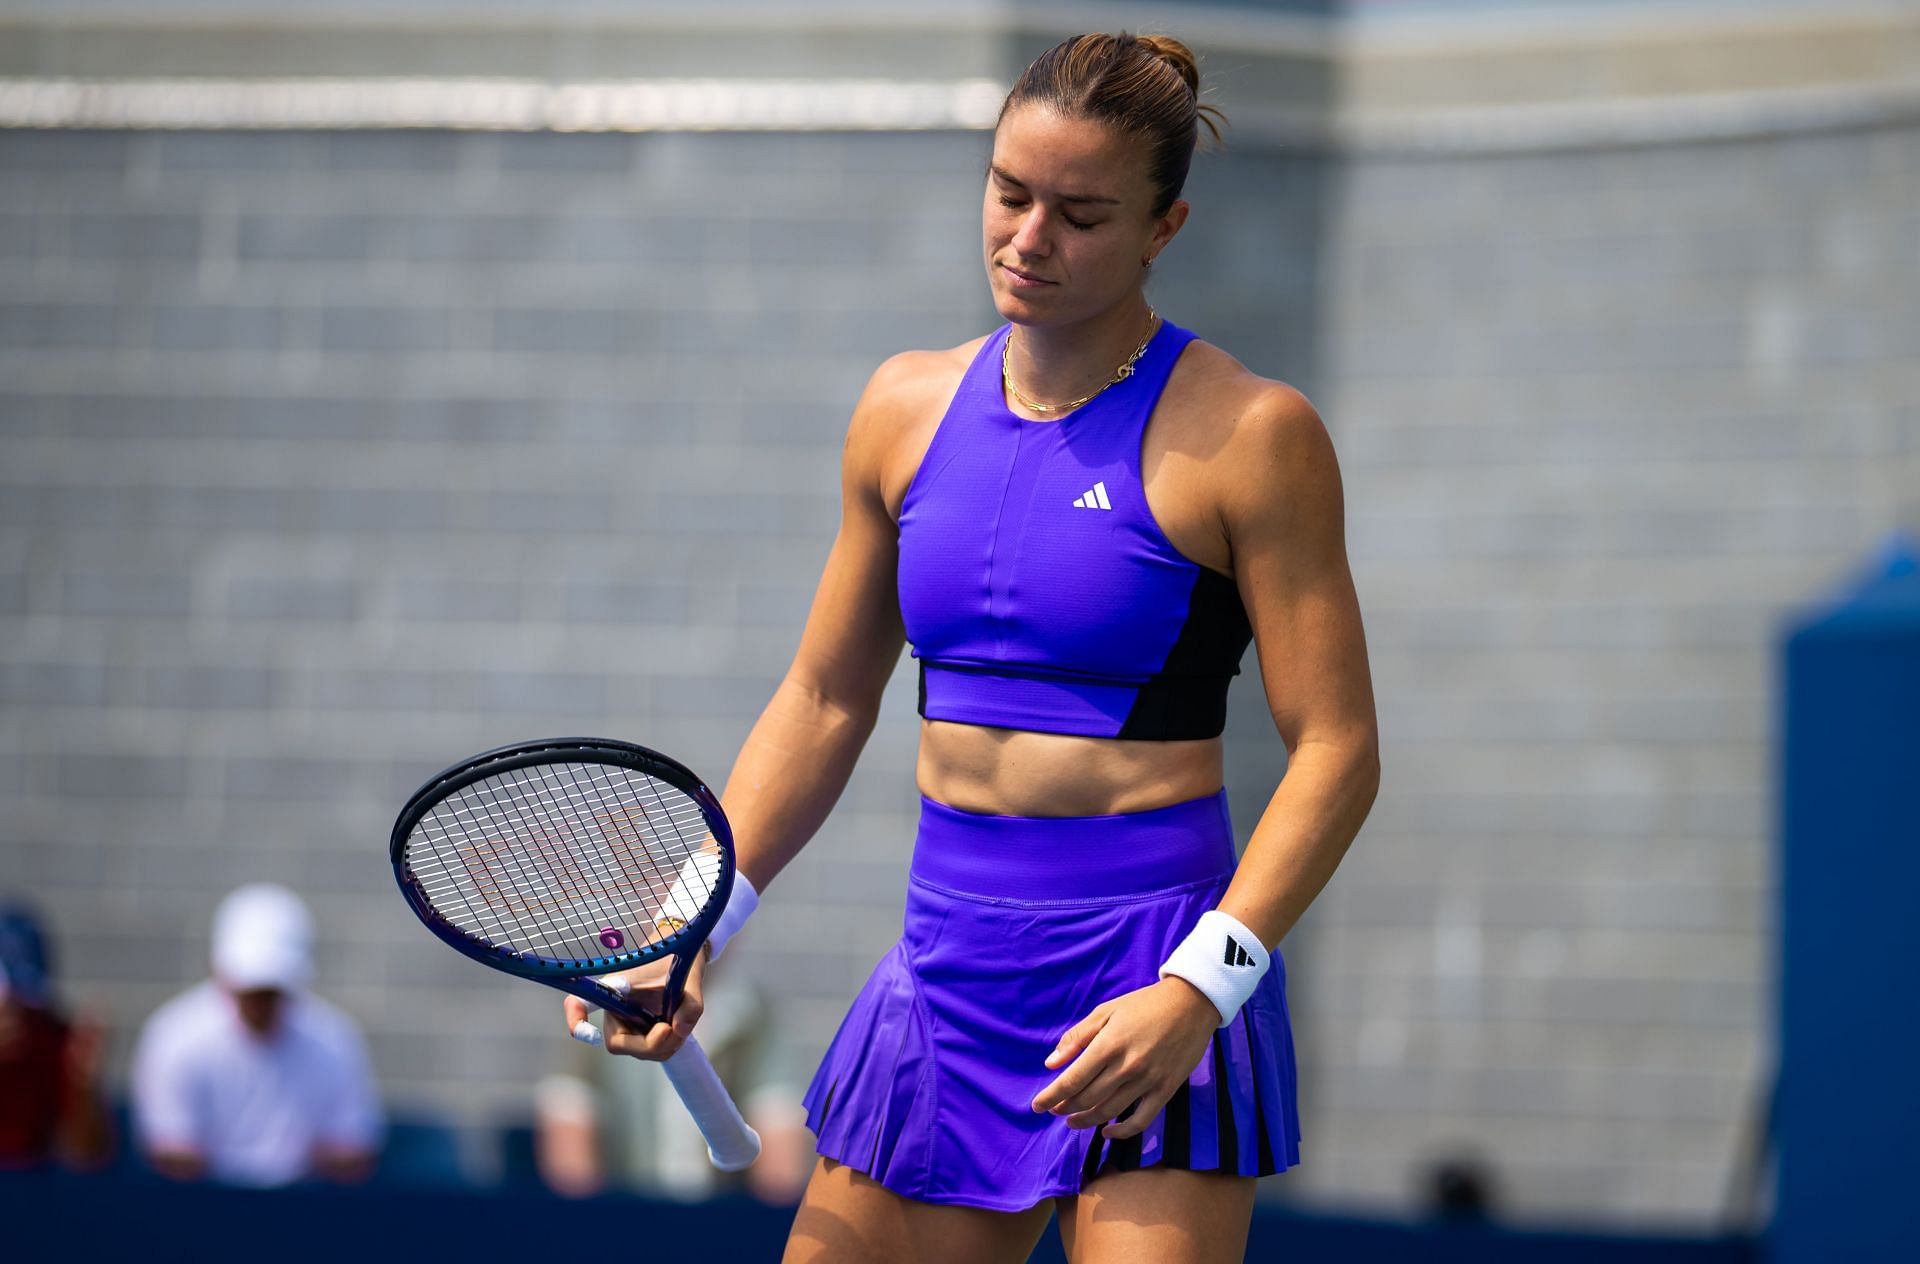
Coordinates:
x,y
1095,497
1236,954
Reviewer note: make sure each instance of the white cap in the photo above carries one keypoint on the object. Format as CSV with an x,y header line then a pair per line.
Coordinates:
x,y
262,938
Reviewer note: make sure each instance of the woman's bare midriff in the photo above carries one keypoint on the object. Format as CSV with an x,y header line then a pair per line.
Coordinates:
x,y
1013,772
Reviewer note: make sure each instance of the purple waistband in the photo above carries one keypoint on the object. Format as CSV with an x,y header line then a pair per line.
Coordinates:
x,y
1074,857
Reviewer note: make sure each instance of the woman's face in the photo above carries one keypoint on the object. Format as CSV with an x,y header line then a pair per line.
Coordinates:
x,y
1068,217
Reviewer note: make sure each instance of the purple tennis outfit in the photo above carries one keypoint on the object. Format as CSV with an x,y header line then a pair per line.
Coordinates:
x,y
1039,593
1037,589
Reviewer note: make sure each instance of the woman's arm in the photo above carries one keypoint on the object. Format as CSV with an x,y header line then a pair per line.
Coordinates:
x,y
1285,520
796,760
1281,513
797,757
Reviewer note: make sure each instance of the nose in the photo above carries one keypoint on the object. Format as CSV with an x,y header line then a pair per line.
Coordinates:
x,y
1032,236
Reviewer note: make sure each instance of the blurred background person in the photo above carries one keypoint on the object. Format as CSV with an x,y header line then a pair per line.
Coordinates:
x,y
50,1107
248,1078
604,1123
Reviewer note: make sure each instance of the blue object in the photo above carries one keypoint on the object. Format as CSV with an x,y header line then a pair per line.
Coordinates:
x,y
1846,1121
48,1216
421,1152
1037,588
926,1085
26,973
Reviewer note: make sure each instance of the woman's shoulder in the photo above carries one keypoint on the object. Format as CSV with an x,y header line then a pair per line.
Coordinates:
x,y
1227,410
909,376
910,385
1211,379
1262,436
903,402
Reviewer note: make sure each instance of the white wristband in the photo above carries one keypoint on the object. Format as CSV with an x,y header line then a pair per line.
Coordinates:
x,y
698,876
1223,959
740,906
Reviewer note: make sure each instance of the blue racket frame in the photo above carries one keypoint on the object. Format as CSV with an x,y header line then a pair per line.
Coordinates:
x,y
571,975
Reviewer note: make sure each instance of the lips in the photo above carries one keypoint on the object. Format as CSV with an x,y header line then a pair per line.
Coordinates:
x,y
1027,277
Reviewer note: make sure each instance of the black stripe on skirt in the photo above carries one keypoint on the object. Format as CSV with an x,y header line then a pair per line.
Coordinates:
x,y
1176,1144
1228,1133
1263,1144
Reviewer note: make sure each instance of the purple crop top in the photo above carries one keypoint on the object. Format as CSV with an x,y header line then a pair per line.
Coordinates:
x,y
1037,589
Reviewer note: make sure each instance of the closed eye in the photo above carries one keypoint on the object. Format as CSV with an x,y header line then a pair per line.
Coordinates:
x,y
1016,204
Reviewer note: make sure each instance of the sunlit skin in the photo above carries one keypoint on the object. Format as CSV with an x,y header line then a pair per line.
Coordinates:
x,y
1240,475
1067,223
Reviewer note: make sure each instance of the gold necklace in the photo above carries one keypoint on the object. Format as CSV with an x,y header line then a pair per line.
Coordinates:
x,y
1125,371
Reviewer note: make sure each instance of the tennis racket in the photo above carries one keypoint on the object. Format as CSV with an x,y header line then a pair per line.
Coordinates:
x,y
574,857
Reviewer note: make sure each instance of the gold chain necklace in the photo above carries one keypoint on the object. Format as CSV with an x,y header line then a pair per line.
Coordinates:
x,y
1125,371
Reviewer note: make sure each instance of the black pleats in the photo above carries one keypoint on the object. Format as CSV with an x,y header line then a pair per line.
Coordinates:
x,y
1091,1168
1263,1144
1176,1149
1177,1134
1229,1134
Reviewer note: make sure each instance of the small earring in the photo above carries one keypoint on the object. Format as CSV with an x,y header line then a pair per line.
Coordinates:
x,y
1147,262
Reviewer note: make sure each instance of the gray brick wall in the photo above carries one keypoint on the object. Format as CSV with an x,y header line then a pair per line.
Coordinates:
x,y
1605,418
328,458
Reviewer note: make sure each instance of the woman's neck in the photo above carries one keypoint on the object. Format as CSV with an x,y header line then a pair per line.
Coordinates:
x,y
1057,363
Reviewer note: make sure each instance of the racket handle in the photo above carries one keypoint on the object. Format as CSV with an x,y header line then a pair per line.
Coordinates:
x,y
731,1144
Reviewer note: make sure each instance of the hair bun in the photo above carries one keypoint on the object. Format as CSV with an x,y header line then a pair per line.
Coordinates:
x,y
1178,55
1121,80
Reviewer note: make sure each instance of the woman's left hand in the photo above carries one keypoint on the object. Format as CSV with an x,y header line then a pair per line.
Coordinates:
x,y
1134,1050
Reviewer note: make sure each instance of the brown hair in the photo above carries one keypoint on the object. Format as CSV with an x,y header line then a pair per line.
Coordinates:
x,y
1145,85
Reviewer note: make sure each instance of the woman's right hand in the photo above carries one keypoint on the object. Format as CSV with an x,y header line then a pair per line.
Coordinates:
x,y
646,986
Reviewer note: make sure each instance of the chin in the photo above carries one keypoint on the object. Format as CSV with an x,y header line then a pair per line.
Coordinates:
x,y
1019,309
1011,308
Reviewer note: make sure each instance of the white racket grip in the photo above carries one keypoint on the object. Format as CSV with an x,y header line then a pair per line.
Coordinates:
x,y
731,1144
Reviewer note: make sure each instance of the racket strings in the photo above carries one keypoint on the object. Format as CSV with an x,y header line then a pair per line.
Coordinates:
x,y
474,828
559,860
617,867
540,890
545,878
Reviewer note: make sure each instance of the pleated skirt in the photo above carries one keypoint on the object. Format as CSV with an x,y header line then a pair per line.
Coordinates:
x,y
1015,928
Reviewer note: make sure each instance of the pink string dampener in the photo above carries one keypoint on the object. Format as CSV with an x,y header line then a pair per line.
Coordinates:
x,y
612,939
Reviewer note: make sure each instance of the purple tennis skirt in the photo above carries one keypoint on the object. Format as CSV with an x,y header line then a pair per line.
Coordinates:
x,y
1016,927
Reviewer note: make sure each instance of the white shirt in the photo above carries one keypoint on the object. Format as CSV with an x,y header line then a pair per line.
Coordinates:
x,y
254,1110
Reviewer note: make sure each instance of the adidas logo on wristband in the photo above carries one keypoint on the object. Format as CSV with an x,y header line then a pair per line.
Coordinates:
x,y
1227,975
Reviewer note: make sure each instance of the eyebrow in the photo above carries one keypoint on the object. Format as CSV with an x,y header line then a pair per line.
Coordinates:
x,y
1064,197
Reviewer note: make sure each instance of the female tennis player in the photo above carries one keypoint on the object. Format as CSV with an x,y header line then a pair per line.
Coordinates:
x,y
1078,522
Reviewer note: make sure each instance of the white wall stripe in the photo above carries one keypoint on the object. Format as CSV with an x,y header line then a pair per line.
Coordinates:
x,y
1610,122
503,104
907,105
